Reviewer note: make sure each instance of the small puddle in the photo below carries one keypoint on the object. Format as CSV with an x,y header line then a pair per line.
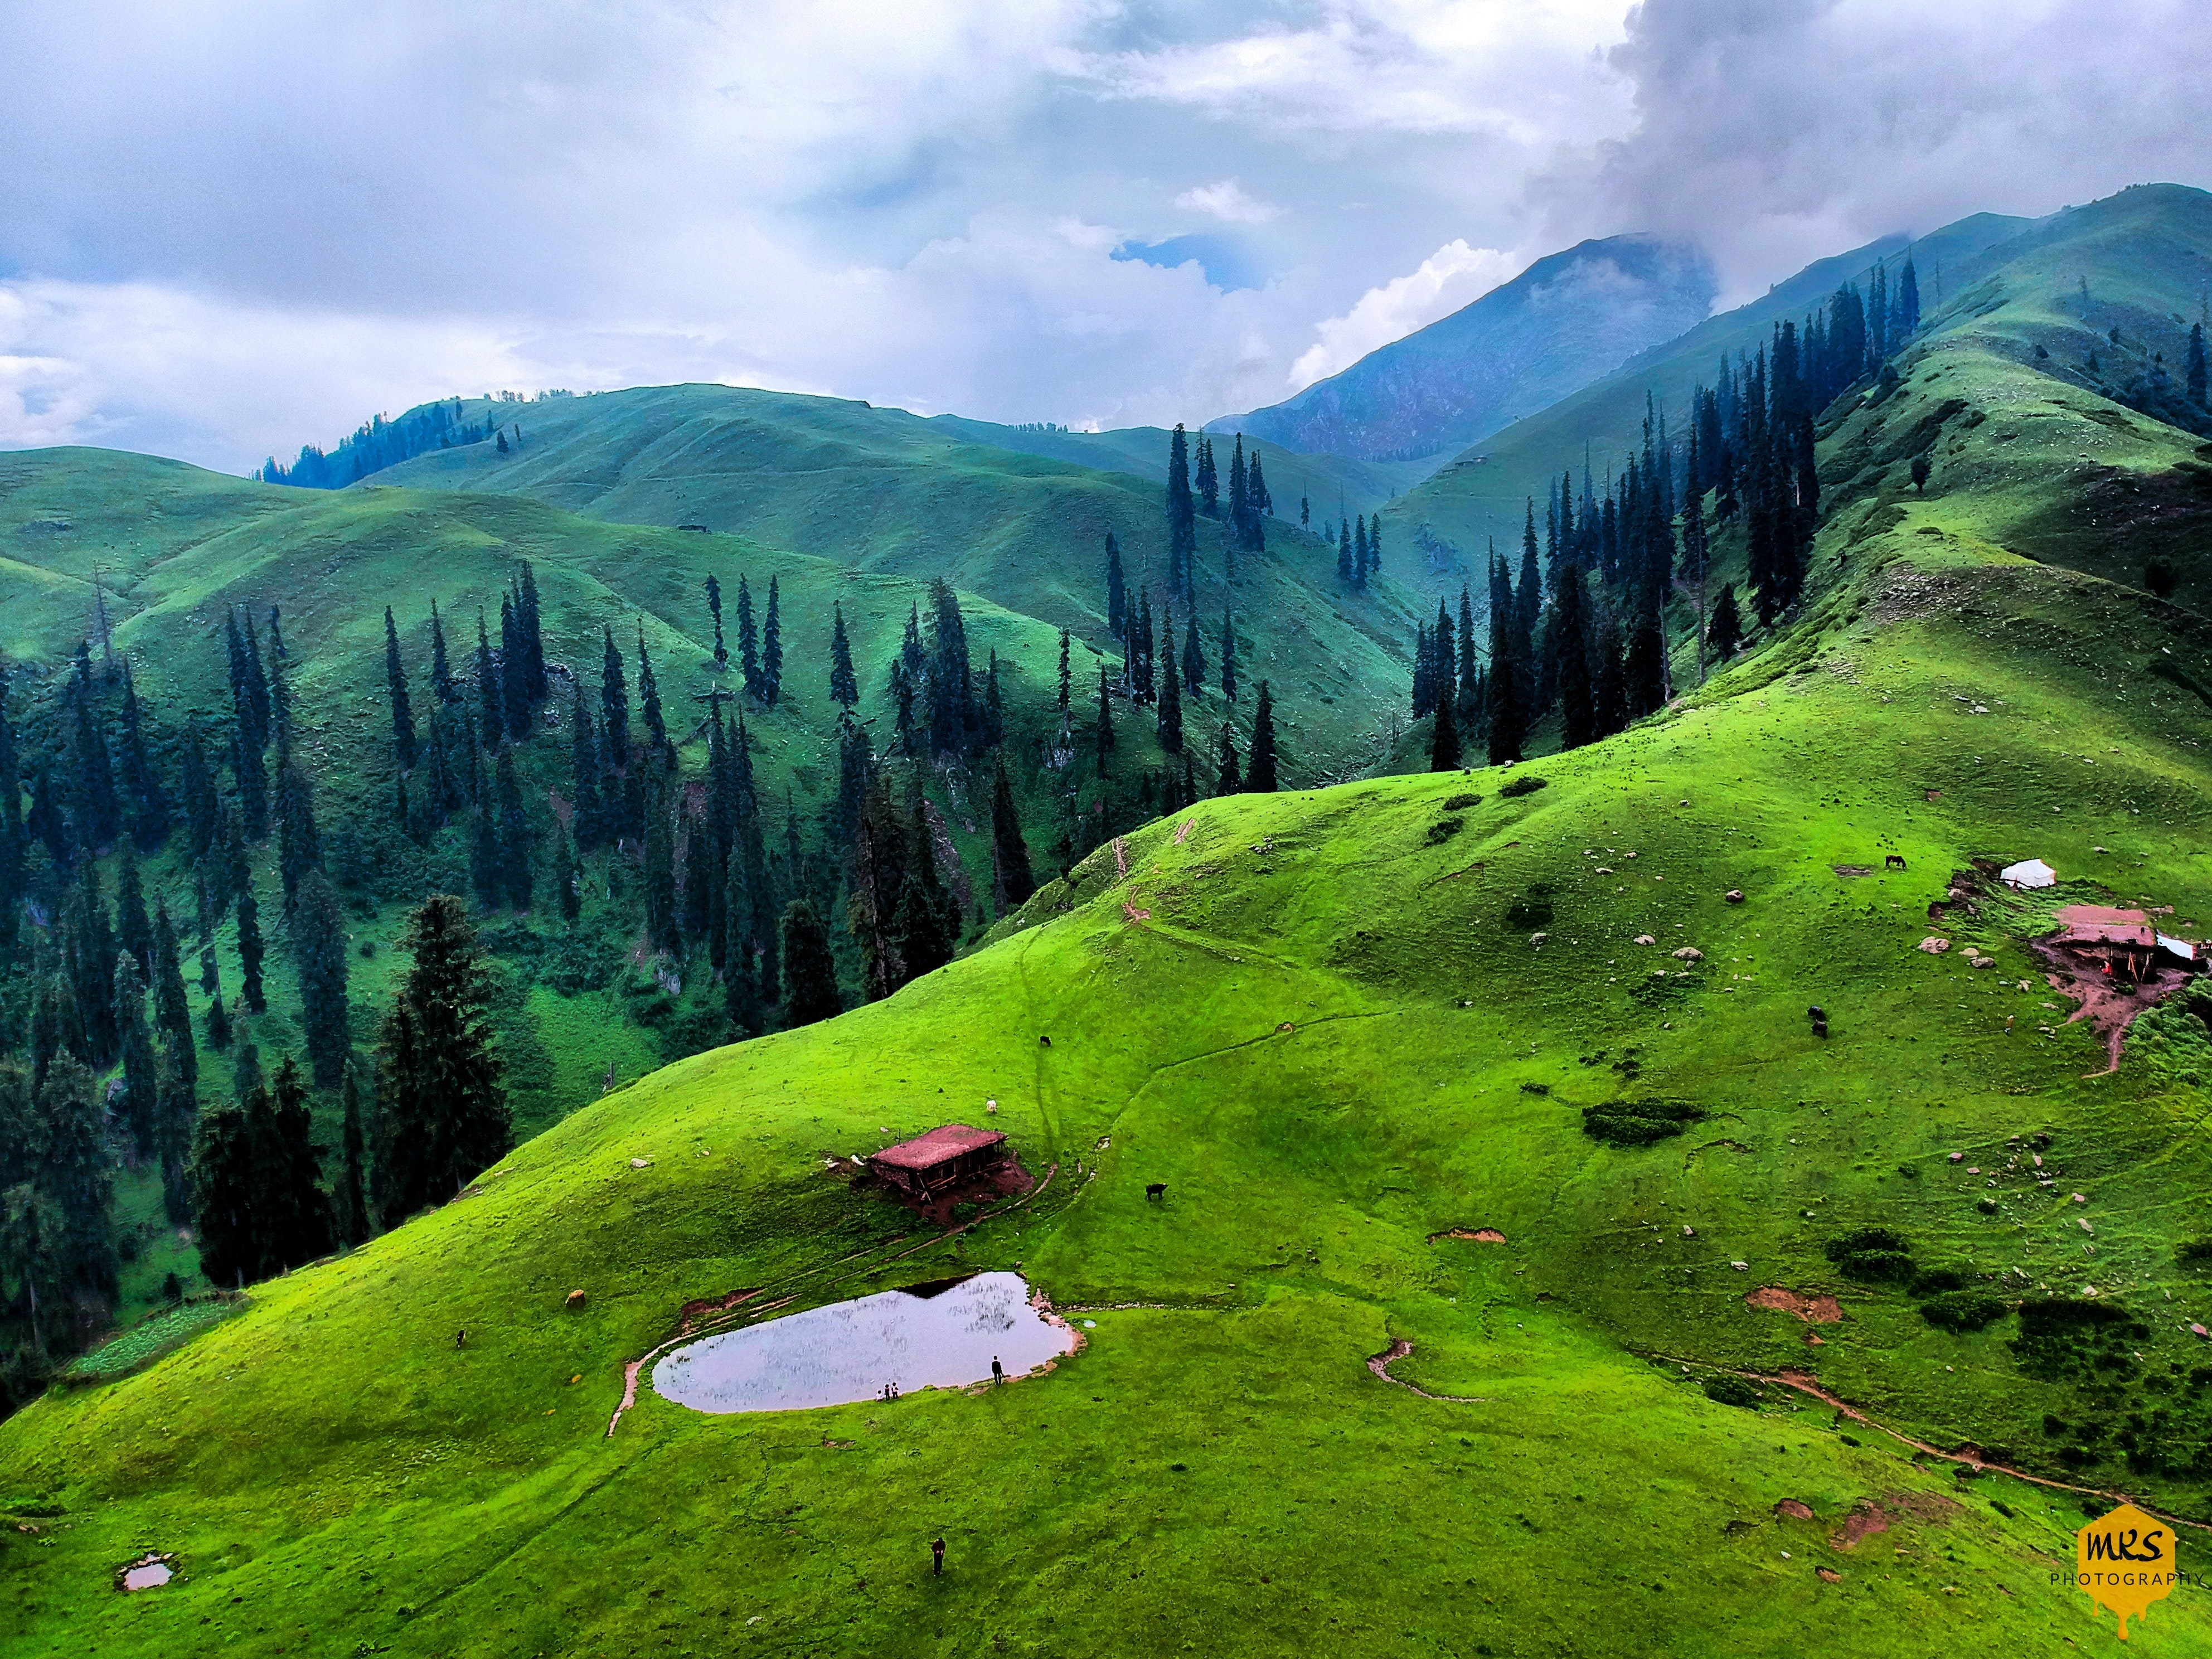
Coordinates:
x,y
149,1572
943,1334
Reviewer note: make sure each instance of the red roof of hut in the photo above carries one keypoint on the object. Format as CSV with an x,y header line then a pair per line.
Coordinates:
x,y
2103,924
938,1147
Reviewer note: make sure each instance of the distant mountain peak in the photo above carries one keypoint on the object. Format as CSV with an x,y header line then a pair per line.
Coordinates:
x,y
1568,320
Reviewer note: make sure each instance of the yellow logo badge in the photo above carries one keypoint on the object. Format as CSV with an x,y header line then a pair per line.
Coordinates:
x,y
2124,1561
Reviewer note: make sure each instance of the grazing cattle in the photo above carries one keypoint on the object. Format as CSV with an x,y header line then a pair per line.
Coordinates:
x,y
1819,1016
1892,862
576,1299
1044,1041
1156,1190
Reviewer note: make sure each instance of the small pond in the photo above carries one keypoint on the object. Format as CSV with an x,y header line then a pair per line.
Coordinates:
x,y
148,1572
939,1336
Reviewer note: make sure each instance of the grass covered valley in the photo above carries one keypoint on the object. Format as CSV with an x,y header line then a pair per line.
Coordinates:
x,y
1554,1137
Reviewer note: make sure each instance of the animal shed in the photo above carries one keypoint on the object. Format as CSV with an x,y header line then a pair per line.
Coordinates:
x,y
944,1158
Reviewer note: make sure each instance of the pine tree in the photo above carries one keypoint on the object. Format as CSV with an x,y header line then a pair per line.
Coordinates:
x,y
660,919
1227,781
1374,542
567,881
1117,589
714,609
71,1172
648,690
133,927
741,998
531,637
1260,774
1470,671
1010,854
1645,670
349,1220
443,691
148,802
748,660
1063,679
844,688
953,719
614,707
260,726
443,1113
1359,551
1228,656
176,1110
250,951
1529,592
141,1102
225,1196
1724,634
772,647
100,811
1444,741
403,710
810,972
994,707
1194,659
172,1014
1171,725
1570,636
1182,527
513,670
1208,478
319,955
1104,730
515,837
298,844
1346,572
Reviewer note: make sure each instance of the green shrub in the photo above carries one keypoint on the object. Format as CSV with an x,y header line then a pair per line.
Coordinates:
x,y
1522,786
1963,1310
1638,1122
1931,1280
1444,830
2193,1251
1732,1391
1460,803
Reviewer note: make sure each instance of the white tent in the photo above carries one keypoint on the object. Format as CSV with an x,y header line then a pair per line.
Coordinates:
x,y
2034,873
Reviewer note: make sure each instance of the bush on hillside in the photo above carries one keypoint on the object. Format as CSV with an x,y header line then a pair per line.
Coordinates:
x,y
1522,785
1732,1391
1444,830
1963,1310
1638,1122
1460,803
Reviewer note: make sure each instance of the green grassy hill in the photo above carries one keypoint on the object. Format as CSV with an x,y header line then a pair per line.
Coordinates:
x,y
1481,494
1324,1019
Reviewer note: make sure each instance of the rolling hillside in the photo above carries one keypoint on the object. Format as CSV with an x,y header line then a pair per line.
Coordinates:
x,y
1345,1028
1565,321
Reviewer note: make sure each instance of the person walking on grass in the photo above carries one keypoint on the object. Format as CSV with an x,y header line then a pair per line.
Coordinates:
x,y
997,1371
936,1555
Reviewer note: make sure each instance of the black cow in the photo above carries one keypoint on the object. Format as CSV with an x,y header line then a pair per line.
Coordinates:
x,y
1892,862
1819,1016
1156,1190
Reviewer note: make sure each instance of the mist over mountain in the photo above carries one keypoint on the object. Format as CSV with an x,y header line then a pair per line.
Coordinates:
x,y
1562,323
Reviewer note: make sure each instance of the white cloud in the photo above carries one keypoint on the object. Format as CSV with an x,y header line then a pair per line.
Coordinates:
x,y
1454,276
1228,201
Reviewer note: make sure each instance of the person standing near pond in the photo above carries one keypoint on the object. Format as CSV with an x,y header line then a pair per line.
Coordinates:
x,y
997,1371
936,1555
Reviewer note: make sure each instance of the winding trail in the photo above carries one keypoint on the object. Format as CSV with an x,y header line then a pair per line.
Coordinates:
x,y
1804,1383
1380,1364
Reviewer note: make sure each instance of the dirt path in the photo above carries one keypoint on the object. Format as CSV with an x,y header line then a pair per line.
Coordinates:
x,y
1804,1383
1380,1364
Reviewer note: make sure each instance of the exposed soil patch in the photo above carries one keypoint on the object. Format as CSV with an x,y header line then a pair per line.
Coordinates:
x,y
1479,1234
708,1307
1812,1309
1380,1364
1867,1518
2109,1005
1828,1574
1791,1509
1852,869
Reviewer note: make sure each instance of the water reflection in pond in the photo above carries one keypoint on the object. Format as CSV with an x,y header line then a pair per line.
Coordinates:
x,y
146,1574
943,1334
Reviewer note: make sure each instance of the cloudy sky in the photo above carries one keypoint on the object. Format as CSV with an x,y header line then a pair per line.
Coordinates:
x,y
230,228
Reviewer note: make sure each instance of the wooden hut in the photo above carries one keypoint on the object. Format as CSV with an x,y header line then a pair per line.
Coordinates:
x,y
945,1158
2121,942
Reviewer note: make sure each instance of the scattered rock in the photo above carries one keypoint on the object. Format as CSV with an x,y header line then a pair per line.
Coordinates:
x,y
1791,1509
1646,939
1958,1158
1537,940
1934,945
1866,1518
1689,953
1829,1575
1741,1266
1688,1231
1733,896
641,1163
